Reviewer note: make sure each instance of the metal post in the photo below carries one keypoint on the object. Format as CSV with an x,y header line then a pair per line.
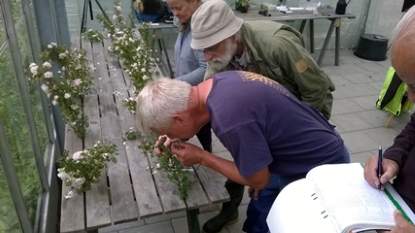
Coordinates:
x,y
326,41
23,89
13,183
62,23
311,24
303,22
337,43
192,220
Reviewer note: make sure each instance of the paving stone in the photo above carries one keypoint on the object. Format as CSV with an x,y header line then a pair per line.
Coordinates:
x,y
366,102
382,136
375,118
358,142
341,106
361,157
349,122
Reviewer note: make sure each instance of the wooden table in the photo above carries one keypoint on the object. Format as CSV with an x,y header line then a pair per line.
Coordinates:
x,y
335,23
129,189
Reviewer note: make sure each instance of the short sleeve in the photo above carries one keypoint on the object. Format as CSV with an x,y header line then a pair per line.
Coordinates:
x,y
248,147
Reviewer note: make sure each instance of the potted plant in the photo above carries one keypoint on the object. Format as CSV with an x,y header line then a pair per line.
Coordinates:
x,y
242,5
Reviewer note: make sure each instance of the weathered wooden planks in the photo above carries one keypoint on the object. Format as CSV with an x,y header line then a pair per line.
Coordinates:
x,y
72,210
96,200
143,184
123,205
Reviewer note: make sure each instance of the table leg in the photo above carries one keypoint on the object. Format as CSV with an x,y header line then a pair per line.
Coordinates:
x,y
302,26
84,16
193,220
311,24
102,11
163,49
337,44
326,41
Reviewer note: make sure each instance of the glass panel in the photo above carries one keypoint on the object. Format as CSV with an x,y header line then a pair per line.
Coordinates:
x,y
25,53
8,217
17,132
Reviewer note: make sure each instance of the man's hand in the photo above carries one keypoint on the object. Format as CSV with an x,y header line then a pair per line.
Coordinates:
x,y
188,154
402,226
163,141
390,170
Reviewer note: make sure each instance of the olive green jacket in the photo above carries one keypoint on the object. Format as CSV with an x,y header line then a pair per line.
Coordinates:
x,y
277,51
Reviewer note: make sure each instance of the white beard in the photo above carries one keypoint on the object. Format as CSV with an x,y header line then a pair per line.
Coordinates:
x,y
221,63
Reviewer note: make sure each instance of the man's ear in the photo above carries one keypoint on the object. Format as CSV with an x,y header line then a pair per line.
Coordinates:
x,y
178,118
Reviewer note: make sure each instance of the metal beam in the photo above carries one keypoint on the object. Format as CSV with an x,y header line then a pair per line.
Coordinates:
x,y
13,183
23,89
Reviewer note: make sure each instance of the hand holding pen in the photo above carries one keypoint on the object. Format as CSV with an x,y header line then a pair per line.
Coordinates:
x,y
380,166
388,169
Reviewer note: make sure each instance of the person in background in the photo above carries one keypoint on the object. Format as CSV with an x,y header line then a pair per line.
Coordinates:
x,y
272,49
399,159
148,10
268,48
273,137
190,65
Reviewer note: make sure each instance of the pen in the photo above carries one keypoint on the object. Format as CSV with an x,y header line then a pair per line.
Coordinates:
x,y
380,168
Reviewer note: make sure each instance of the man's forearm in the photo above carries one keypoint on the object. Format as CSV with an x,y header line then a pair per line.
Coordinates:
x,y
223,166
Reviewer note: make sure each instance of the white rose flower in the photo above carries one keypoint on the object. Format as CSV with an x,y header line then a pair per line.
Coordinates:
x,y
69,195
67,96
77,82
78,155
114,17
63,68
56,97
32,64
51,45
34,69
143,70
118,8
65,177
44,88
48,74
47,65
145,77
62,55
78,182
54,102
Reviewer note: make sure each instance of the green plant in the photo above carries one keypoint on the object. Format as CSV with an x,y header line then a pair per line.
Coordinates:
x,y
137,60
168,163
83,168
93,36
133,50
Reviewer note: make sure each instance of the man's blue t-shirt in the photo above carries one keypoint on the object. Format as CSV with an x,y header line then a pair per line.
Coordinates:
x,y
262,124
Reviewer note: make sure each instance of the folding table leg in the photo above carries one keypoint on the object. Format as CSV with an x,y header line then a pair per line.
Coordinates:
x,y
193,220
326,41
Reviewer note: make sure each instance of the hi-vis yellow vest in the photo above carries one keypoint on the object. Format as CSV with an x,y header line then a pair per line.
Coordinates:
x,y
393,97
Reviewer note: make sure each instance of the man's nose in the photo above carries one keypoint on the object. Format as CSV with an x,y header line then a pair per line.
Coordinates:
x,y
208,55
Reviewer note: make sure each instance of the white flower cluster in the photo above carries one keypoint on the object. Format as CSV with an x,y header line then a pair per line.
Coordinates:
x,y
135,56
79,170
68,85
